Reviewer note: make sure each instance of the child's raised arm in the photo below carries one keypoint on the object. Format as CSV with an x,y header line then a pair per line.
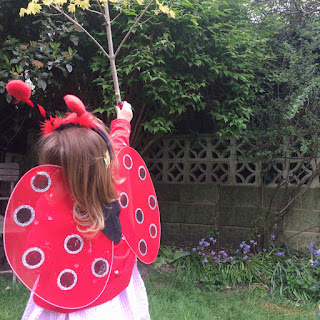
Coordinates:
x,y
120,127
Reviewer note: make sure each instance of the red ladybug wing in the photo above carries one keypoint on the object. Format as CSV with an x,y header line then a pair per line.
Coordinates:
x,y
44,247
140,219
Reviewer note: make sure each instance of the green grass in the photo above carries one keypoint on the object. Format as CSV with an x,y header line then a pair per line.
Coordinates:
x,y
13,298
171,299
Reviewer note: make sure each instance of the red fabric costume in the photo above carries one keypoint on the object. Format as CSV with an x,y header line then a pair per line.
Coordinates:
x,y
65,270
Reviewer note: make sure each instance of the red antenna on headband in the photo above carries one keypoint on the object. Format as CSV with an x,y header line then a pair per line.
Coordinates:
x,y
75,104
22,92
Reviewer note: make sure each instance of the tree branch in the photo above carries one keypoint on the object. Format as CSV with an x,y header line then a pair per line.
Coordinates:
x,y
101,10
143,22
301,192
82,28
112,56
138,123
307,229
94,11
132,27
116,17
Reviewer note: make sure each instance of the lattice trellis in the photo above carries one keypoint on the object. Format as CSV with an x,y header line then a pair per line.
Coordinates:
x,y
180,159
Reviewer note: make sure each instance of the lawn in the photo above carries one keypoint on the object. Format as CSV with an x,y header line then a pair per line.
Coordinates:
x,y
175,300
171,300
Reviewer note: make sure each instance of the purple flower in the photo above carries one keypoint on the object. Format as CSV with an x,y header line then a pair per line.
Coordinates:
x,y
280,253
311,246
182,267
246,249
206,244
194,249
245,258
264,250
205,260
213,253
243,243
272,237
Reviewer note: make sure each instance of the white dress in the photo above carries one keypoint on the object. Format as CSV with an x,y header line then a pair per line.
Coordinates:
x,y
130,304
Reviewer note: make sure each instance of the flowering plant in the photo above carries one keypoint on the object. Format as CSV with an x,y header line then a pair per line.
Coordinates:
x,y
289,273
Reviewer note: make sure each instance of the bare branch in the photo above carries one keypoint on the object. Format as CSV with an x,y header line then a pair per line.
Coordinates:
x,y
112,57
82,28
101,10
133,26
290,8
116,17
143,22
51,14
307,229
94,11
138,122
301,192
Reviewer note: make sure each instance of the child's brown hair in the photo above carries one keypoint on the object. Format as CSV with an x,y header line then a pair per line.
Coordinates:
x,y
81,153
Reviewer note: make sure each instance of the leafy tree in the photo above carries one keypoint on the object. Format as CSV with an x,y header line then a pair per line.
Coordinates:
x,y
101,9
284,126
203,60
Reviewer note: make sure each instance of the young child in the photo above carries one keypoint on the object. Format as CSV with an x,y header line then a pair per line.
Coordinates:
x,y
80,144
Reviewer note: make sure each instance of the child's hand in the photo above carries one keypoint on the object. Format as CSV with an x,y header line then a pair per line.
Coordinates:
x,y
125,112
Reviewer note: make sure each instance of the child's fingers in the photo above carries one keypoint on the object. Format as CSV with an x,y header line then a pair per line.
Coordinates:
x,y
125,112
118,110
126,105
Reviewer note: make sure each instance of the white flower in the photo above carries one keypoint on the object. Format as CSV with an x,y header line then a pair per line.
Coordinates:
x,y
30,84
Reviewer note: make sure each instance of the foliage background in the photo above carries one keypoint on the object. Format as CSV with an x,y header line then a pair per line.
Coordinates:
x,y
227,67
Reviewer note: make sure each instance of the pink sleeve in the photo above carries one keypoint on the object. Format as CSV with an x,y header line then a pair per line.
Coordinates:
x,y
120,134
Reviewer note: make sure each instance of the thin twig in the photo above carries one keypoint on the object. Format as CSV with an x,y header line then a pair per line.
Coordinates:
x,y
82,28
51,14
149,144
143,22
315,226
301,192
116,17
101,10
94,11
138,123
133,26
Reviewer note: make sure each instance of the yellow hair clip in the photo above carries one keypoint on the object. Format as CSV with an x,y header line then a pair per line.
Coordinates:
x,y
107,159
